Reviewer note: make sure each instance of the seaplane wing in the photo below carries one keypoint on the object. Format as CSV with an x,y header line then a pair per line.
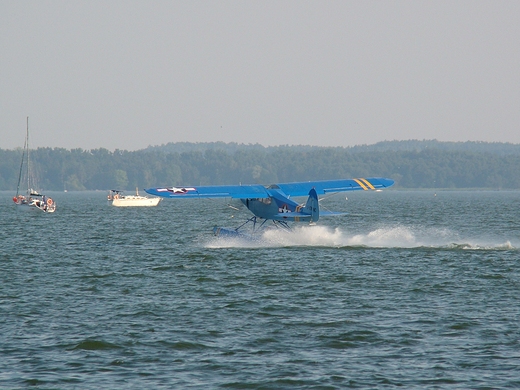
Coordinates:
x,y
231,191
256,191
332,186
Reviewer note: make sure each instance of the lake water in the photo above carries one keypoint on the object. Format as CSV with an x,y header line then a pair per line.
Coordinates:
x,y
412,289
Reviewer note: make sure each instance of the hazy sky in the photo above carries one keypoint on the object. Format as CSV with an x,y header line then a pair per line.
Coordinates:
x,y
128,74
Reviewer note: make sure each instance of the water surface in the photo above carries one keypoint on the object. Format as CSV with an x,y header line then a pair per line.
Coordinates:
x,y
412,289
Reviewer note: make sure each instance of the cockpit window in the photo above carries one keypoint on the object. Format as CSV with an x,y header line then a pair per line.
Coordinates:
x,y
265,200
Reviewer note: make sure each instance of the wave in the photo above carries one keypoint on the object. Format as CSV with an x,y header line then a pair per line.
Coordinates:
x,y
382,237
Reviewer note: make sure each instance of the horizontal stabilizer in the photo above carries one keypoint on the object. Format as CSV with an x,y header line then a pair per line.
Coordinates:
x,y
331,213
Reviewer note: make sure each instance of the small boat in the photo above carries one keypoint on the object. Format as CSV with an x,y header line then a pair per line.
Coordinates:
x,y
32,200
118,199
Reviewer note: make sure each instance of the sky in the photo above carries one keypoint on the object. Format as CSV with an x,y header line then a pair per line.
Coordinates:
x,y
129,74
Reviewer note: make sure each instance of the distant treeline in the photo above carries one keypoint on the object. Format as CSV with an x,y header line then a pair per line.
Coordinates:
x,y
500,148
413,164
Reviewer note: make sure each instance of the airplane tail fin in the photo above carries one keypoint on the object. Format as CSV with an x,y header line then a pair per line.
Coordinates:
x,y
312,206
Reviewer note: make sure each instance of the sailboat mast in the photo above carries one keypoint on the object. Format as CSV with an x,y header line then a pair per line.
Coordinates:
x,y
28,183
25,149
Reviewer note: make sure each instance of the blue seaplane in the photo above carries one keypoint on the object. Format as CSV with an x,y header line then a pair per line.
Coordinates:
x,y
274,203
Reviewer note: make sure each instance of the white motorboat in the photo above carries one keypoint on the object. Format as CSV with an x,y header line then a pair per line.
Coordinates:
x,y
118,199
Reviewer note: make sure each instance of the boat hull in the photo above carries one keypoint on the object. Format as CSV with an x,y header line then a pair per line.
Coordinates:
x,y
130,201
24,207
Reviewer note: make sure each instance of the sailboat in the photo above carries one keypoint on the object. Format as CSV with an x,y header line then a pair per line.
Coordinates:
x,y
32,200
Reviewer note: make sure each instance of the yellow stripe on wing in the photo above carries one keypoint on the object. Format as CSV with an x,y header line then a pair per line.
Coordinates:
x,y
361,184
369,185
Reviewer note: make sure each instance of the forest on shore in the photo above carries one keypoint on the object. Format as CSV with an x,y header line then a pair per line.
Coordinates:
x,y
412,164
